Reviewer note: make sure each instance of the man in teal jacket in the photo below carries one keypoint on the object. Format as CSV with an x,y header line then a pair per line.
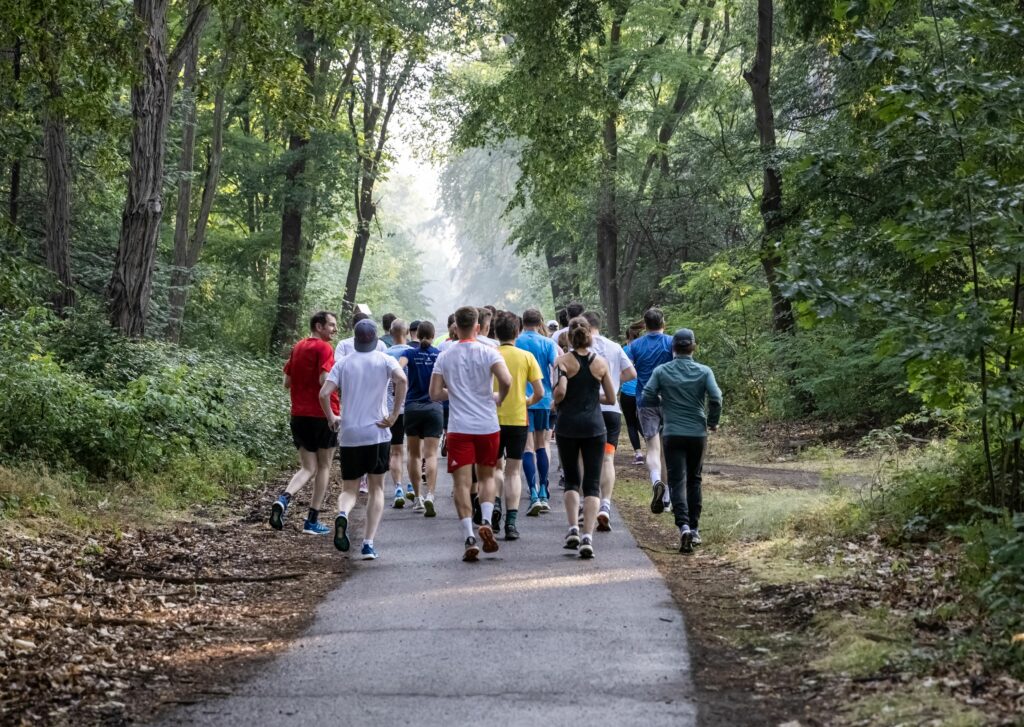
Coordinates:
x,y
691,404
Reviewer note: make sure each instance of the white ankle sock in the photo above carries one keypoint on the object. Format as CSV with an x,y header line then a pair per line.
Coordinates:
x,y
467,526
486,510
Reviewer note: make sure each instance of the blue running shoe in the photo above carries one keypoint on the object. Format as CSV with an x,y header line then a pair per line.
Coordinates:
x,y
341,533
317,528
535,507
277,511
368,552
410,493
399,498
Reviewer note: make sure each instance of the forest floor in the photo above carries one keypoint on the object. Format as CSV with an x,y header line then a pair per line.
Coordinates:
x,y
109,627
800,625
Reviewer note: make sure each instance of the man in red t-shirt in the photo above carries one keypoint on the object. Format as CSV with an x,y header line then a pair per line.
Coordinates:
x,y
310,362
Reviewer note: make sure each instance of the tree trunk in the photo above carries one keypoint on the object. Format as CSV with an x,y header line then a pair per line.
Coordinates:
x,y
564,287
759,79
367,209
295,253
608,226
186,260
58,201
180,272
131,283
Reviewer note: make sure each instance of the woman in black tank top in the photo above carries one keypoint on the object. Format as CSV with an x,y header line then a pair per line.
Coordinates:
x,y
583,385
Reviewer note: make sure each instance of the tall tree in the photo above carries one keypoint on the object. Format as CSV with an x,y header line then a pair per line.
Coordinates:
x,y
131,283
385,74
189,236
759,80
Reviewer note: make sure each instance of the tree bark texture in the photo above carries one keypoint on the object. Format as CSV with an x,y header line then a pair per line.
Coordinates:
x,y
608,226
58,203
131,283
564,287
759,80
296,253
179,271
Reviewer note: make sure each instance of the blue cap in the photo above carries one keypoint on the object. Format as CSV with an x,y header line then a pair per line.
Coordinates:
x,y
366,336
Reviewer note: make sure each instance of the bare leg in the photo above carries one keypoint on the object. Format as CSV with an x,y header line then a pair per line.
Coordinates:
x,y
374,505
608,476
590,507
414,464
308,468
324,457
395,464
348,496
486,483
430,447
512,489
462,480
654,458
572,507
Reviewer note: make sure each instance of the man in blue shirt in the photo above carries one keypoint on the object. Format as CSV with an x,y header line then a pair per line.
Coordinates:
x,y
535,459
692,404
648,353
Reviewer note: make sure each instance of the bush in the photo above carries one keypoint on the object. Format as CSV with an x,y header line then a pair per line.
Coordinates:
x,y
78,396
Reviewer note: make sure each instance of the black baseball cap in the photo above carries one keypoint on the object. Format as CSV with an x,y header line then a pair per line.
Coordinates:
x,y
366,336
683,338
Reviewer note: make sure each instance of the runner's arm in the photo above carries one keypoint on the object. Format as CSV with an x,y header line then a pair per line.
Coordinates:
x,y
607,389
714,402
287,381
561,385
438,389
326,389
538,392
628,374
501,373
401,386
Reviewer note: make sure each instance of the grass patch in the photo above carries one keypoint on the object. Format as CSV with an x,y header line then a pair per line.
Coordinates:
x,y
923,705
860,644
33,492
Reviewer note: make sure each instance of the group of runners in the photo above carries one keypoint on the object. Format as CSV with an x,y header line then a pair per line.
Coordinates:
x,y
489,394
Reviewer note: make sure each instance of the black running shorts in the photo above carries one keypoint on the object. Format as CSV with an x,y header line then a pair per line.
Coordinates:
x,y
424,423
398,431
313,433
613,425
370,459
512,442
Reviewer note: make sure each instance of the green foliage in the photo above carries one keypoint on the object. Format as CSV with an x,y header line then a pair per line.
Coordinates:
x,y
831,370
80,397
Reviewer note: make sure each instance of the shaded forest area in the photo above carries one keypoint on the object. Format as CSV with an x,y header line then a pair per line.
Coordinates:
x,y
829,192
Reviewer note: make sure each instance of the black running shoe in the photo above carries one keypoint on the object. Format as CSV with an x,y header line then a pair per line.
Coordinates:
x,y
472,551
496,520
341,541
586,548
511,532
685,540
487,536
657,500
572,540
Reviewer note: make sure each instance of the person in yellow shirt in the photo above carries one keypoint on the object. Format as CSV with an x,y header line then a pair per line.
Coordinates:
x,y
512,417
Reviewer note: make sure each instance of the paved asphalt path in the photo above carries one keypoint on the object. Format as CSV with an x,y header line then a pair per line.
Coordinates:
x,y
530,635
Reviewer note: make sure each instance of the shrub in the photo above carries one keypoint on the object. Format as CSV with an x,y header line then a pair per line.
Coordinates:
x,y
80,397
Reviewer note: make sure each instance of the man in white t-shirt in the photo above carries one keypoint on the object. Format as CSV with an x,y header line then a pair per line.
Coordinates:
x,y
463,376
621,370
362,379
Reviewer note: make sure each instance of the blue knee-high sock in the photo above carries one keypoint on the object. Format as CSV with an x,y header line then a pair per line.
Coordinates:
x,y
530,470
542,470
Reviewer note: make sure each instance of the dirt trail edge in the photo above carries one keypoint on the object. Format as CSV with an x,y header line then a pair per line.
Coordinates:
x,y
109,628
